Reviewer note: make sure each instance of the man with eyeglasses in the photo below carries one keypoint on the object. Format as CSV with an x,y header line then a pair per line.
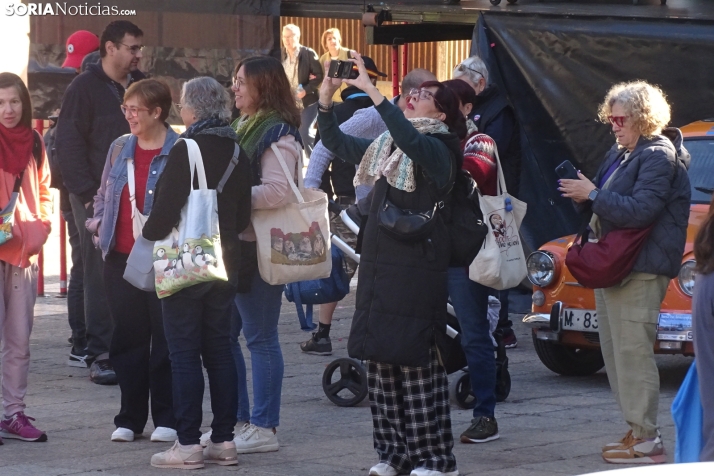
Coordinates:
x,y
89,121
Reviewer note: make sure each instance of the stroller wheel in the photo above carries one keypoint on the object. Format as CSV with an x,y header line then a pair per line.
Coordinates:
x,y
460,391
347,387
503,385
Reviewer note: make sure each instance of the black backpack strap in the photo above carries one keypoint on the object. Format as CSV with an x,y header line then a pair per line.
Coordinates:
x,y
229,170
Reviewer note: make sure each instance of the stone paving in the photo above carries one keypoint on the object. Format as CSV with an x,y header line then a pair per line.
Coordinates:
x,y
548,425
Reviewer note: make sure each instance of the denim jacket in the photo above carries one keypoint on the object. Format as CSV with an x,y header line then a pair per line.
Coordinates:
x,y
114,179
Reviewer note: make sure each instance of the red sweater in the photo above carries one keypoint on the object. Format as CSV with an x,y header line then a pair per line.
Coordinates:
x,y
124,231
480,161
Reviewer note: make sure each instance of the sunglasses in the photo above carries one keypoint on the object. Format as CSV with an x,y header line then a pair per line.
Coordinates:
x,y
462,68
133,111
424,94
618,121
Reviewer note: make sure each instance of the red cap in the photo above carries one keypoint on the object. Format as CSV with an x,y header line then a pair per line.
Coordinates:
x,y
80,44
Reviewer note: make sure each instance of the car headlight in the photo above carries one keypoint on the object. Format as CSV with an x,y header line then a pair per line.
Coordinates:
x,y
686,277
541,268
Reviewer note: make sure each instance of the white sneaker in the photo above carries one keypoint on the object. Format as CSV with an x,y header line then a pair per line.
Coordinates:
x,y
162,433
123,435
179,456
222,454
383,469
206,437
431,472
254,439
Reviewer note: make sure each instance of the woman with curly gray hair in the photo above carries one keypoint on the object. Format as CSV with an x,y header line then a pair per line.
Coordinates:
x,y
642,183
197,321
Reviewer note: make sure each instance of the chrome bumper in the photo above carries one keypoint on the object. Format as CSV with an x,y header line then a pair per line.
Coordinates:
x,y
535,319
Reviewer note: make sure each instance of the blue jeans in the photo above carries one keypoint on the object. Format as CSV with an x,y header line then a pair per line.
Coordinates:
x,y
259,312
470,301
197,326
243,400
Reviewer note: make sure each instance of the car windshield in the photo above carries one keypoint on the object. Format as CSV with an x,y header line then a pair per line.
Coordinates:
x,y
701,168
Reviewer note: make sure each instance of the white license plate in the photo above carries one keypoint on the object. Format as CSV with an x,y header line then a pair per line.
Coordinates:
x,y
579,320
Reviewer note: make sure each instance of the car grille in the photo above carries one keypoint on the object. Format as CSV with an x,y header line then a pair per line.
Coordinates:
x,y
592,337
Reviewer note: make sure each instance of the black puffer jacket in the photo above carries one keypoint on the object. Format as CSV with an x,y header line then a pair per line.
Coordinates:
x,y
651,186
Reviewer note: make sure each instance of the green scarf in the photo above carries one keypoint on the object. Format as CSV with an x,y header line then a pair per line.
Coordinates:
x,y
251,129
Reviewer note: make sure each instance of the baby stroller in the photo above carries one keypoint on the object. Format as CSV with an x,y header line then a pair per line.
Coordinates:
x,y
344,380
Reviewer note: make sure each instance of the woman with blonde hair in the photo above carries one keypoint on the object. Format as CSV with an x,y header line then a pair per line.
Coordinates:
x,y
642,183
332,44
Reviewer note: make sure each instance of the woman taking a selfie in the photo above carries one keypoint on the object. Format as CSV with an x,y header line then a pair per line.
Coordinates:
x,y
401,295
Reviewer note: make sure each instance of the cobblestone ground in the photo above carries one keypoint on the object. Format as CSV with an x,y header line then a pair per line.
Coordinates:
x,y
548,425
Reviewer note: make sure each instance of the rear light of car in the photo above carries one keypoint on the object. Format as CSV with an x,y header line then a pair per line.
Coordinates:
x,y
541,268
686,277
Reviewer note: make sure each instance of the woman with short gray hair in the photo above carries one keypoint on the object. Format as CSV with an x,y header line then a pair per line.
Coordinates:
x,y
472,70
197,320
642,184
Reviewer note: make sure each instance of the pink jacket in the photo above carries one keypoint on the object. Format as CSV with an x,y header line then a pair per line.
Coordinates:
x,y
32,214
274,190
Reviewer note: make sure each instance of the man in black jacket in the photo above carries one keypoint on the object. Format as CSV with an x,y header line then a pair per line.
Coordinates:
x,y
88,123
305,74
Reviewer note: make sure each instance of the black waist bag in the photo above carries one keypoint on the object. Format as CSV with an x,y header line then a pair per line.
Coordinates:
x,y
406,225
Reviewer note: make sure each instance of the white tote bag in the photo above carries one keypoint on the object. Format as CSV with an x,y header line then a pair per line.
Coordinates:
x,y
501,263
293,241
192,254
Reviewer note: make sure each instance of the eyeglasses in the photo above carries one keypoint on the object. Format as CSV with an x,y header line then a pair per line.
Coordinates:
x,y
237,83
462,67
134,50
133,111
424,94
618,121
178,106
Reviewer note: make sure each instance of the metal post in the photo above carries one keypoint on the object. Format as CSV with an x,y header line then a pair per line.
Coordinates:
x,y
63,257
405,59
395,70
39,127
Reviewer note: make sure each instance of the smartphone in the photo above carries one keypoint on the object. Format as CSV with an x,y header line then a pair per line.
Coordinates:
x,y
567,170
339,69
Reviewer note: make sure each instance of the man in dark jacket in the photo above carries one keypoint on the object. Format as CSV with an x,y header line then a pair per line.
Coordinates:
x,y
88,123
494,116
305,74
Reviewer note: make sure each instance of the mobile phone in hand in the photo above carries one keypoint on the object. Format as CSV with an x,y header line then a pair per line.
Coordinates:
x,y
567,170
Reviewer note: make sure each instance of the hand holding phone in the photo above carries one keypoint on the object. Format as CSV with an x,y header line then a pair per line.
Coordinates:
x,y
567,170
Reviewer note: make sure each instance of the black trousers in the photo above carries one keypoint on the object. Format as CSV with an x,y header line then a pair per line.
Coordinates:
x,y
138,351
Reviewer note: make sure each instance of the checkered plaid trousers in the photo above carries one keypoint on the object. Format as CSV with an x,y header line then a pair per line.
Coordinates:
x,y
410,415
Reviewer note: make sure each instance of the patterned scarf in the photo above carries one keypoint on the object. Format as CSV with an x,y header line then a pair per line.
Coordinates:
x,y
211,126
379,160
252,129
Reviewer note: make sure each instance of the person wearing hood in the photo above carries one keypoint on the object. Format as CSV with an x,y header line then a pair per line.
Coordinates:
x,y
642,183
88,123
337,181
494,116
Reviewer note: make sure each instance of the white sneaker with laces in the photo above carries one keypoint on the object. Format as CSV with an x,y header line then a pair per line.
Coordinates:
x,y
162,433
254,439
431,472
123,435
241,426
180,457
383,469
